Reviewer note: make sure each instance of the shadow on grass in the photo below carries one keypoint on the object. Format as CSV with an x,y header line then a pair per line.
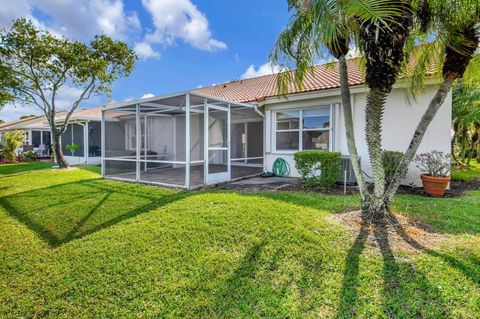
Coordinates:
x,y
330,203
62,213
406,292
470,272
19,168
236,291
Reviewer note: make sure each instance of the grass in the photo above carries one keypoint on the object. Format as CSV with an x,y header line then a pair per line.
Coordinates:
x,y
76,246
8,169
466,174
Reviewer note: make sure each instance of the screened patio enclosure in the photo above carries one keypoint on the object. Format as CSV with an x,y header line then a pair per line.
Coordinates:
x,y
183,140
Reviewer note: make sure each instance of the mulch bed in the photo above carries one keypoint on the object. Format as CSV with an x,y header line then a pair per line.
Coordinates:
x,y
457,189
403,234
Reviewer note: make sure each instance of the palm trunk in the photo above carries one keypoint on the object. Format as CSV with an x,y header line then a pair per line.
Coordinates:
x,y
477,142
348,118
464,143
452,142
376,98
57,149
427,118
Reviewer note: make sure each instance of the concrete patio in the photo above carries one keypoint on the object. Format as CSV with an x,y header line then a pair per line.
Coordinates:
x,y
257,184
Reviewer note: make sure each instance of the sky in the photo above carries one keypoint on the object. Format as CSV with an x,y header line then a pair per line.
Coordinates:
x,y
181,44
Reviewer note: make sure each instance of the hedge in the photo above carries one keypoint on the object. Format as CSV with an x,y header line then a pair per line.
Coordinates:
x,y
318,168
391,160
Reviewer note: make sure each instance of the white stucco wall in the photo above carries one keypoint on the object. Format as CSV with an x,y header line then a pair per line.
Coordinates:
x,y
400,120
80,160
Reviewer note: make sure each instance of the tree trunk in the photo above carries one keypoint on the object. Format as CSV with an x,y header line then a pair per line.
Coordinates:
x,y
422,126
373,114
464,143
452,142
348,118
57,150
477,142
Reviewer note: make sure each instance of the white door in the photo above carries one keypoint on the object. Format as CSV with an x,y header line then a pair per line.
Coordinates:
x,y
217,137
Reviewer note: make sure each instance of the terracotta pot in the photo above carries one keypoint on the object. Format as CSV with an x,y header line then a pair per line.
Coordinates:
x,y
435,186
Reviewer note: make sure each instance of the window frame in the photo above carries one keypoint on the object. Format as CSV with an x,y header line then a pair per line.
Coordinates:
x,y
131,135
301,129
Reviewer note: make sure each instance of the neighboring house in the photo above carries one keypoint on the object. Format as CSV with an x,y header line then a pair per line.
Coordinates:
x,y
83,129
249,126
37,135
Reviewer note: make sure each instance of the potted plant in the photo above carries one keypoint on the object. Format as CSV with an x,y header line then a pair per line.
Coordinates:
x,y
436,168
72,148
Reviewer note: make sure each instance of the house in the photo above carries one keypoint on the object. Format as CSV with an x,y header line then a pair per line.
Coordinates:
x,y
37,135
83,129
238,129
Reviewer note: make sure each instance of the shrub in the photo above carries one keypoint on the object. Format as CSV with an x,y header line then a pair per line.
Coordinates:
x,y
391,160
13,140
318,168
72,148
434,163
28,156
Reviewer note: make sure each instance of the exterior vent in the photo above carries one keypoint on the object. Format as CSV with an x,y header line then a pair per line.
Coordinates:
x,y
347,174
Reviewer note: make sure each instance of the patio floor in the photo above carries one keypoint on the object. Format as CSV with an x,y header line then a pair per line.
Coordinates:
x,y
176,176
257,183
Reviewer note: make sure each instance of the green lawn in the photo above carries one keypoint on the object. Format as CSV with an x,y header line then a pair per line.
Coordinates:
x,y
76,246
9,169
467,173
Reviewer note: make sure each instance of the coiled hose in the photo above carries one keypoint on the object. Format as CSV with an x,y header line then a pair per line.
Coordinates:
x,y
281,168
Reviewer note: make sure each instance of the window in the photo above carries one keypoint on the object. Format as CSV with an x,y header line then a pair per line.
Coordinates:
x,y
288,130
131,134
306,129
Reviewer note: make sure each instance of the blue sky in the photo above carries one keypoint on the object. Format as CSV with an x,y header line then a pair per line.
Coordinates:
x,y
182,44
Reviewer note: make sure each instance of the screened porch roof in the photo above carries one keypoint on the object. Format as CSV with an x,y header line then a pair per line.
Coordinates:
x,y
174,104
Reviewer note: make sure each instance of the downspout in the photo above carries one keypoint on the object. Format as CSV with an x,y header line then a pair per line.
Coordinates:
x,y
255,108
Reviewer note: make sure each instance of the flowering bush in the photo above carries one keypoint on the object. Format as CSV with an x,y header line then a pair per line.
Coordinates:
x,y
434,163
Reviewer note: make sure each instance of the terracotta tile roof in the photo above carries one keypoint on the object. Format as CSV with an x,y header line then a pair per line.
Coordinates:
x,y
254,89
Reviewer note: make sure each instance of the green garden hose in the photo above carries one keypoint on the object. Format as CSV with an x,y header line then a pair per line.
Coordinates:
x,y
281,168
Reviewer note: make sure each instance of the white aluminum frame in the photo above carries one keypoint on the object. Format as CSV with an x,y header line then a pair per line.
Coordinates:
x,y
135,108
300,130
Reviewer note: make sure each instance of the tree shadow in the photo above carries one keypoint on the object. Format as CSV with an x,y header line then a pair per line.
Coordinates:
x,y
470,272
398,279
9,170
237,289
324,202
61,213
349,293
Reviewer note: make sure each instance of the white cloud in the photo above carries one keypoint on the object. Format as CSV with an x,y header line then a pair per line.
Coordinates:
x,y
11,112
79,19
145,51
14,9
265,69
180,19
63,101
147,95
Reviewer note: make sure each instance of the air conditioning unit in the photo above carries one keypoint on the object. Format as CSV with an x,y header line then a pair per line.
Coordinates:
x,y
347,174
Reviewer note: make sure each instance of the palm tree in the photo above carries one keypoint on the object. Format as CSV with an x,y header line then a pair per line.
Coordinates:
x,y
465,122
385,31
456,24
320,28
